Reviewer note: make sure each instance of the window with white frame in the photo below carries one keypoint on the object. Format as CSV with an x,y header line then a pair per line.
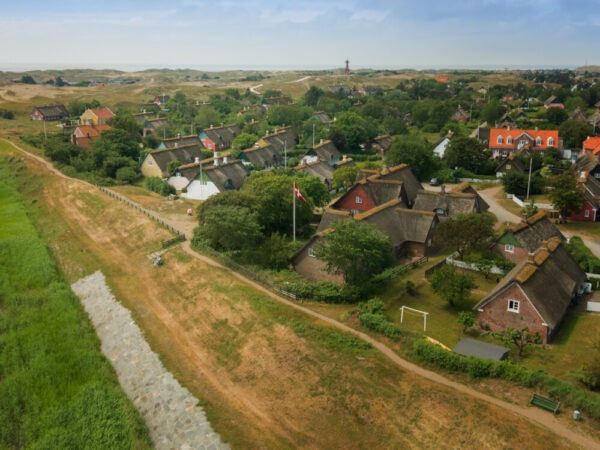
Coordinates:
x,y
513,306
358,200
586,213
550,142
311,252
499,140
509,140
538,141
509,248
508,167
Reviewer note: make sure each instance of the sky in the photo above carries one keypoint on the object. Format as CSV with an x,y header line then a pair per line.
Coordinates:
x,y
298,34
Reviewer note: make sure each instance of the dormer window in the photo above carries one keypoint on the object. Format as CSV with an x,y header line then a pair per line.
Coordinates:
x,y
499,140
358,200
538,141
509,140
550,142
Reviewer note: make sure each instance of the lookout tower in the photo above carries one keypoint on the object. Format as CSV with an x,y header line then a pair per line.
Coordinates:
x,y
347,71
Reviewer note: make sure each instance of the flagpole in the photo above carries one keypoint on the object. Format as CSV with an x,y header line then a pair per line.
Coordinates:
x,y
294,208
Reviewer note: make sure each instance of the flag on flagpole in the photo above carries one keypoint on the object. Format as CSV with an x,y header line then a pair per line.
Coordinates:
x,y
298,194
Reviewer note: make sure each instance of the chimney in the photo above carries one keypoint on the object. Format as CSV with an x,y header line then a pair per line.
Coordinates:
x,y
178,135
545,245
321,141
176,144
225,159
211,126
196,160
531,258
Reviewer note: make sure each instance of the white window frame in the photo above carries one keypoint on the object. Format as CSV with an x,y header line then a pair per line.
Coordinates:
x,y
358,200
311,252
538,141
509,248
508,167
550,142
499,140
513,305
509,140
586,213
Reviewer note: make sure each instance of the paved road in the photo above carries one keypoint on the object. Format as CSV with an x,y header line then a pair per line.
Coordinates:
x,y
535,415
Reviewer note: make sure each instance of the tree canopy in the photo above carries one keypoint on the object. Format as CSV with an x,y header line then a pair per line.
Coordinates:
x,y
566,196
466,232
415,151
467,153
357,250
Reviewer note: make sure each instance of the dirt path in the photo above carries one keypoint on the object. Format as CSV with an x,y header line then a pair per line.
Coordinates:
x,y
489,195
181,339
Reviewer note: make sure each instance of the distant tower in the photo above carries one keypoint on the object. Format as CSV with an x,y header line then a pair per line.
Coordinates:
x,y
347,68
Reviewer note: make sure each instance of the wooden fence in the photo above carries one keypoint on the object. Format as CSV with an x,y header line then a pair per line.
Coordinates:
x,y
180,236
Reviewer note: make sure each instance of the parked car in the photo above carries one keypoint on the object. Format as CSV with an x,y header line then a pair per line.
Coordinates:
x,y
435,182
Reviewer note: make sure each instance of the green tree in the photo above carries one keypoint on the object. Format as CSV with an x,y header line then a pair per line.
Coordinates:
x,y
273,194
230,228
566,196
415,151
466,319
556,115
127,174
242,142
312,96
274,252
519,338
466,232
344,177
467,153
516,184
590,372
27,79
491,112
453,286
357,250
128,124
313,188
573,133
206,117
172,165
280,115
352,131
236,199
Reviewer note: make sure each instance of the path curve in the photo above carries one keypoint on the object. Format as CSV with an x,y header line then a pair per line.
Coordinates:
x,y
535,415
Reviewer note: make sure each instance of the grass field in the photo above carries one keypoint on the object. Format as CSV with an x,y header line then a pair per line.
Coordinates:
x,y
57,389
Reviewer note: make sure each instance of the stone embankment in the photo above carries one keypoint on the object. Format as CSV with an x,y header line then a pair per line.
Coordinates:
x,y
172,414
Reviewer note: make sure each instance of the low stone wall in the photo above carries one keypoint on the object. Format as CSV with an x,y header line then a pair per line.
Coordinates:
x,y
172,414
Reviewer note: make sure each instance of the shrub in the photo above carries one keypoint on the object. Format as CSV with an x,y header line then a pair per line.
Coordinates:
x,y
159,186
324,291
126,174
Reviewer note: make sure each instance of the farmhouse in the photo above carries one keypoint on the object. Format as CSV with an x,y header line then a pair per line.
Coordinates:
x,y
261,156
156,162
410,231
203,179
525,237
95,117
371,192
401,173
503,142
325,151
463,199
535,294
83,135
49,113
219,138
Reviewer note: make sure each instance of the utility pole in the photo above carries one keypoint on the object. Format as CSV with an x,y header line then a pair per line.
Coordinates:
x,y
529,179
313,135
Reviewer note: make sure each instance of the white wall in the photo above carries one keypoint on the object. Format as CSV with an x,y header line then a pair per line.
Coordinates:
x,y
178,182
198,191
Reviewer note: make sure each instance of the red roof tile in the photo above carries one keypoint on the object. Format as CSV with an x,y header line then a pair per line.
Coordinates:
x,y
517,133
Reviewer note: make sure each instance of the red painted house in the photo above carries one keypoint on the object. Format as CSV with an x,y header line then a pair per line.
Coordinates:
x,y
535,294
504,141
376,187
587,167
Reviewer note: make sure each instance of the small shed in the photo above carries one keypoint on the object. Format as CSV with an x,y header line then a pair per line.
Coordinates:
x,y
483,350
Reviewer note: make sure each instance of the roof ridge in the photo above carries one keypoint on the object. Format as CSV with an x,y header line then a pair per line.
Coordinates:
x,y
373,211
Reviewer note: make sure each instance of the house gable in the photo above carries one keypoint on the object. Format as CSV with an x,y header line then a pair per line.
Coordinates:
x,y
356,199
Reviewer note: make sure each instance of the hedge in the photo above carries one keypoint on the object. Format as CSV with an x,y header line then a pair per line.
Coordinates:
x,y
566,393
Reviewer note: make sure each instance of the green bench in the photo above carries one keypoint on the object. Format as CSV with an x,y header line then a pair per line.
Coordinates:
x,y
545,403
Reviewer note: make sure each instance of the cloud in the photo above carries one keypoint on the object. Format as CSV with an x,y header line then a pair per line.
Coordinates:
x,y
369,15
294,16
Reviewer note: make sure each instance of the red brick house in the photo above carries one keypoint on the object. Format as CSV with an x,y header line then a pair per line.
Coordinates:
x,y
307,264
504,141
535,294
525,237
376,187
587,167
83,135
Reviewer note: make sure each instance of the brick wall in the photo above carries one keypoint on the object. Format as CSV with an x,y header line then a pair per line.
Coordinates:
x,y
313,268
349,201
496,316
518,254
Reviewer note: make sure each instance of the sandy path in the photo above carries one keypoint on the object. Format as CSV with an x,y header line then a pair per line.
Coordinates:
x,y
535,415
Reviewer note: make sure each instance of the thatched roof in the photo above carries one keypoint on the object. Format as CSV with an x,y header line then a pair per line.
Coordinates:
x,y
326,151
262,155
532,232
282,139
400,224
222,134
587,162
185,154
463,199
549,278
181,141
400,172
319,169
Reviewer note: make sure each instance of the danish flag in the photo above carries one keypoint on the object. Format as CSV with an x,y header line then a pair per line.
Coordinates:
x,y
298,194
